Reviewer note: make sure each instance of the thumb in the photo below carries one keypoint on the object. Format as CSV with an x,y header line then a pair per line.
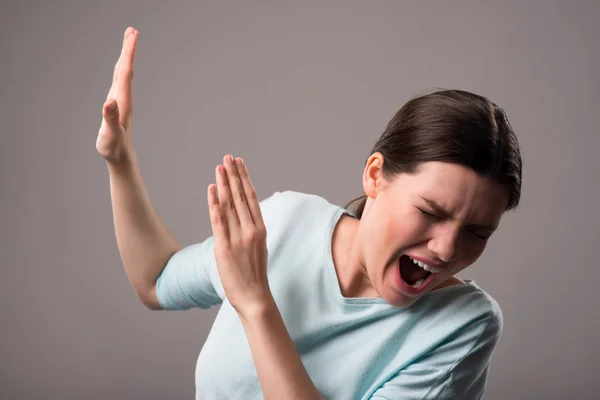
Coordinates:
x,y
110,113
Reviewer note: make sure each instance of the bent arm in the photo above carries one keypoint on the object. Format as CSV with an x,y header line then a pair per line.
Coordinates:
x,y
144,243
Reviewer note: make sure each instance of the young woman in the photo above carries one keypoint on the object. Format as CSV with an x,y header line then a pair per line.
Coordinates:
x,y
318,301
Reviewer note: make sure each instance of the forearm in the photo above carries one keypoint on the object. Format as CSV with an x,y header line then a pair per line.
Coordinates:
x,y
144,243
279,367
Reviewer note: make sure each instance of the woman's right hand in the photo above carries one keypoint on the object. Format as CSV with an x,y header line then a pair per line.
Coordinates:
x,y
114,142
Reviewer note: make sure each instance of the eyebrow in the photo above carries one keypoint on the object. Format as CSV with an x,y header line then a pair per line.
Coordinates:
x,y
438,209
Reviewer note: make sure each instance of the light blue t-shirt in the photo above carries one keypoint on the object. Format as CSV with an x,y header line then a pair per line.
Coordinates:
x,y
352,348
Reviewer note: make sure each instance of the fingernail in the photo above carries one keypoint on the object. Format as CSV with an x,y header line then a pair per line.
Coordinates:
x,y
229,159
242,161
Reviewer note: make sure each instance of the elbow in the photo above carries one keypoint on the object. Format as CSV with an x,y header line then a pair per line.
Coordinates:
x,y
149,298
153,306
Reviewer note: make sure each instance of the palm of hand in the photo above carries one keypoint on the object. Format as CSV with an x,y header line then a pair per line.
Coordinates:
x,y
239,236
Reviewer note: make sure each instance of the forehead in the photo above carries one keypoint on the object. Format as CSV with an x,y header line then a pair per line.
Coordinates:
x,y
459,190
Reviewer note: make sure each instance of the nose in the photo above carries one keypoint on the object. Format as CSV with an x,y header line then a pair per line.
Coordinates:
x,y
444,245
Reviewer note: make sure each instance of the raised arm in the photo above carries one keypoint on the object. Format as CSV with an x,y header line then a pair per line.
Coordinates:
x,y
144,243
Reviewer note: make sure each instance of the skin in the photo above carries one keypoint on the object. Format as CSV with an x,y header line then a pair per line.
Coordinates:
x,y
391,224
241,256
394,221
366,252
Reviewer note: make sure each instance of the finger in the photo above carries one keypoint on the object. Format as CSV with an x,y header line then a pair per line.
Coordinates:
x,y
110,131
110,114
226,202
117,68
250,193
237,194
124,86
217,221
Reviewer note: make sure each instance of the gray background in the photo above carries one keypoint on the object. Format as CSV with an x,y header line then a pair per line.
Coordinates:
x,y
301,90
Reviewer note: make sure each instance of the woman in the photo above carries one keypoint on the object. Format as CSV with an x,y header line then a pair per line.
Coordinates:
x,y
332,303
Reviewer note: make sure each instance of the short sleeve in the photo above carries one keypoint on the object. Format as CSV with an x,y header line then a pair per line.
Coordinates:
x,y
439,375
190,278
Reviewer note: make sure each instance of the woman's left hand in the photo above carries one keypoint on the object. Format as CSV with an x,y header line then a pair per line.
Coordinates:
x,y
240,236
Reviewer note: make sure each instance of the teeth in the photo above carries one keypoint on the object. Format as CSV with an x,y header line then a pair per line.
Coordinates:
x,y
425,266
418,283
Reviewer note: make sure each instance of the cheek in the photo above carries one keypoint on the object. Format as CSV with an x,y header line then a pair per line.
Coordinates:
x,y
382,240
405,230
389,230
410,230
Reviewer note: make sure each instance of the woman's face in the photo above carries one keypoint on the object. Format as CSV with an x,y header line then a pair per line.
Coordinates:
x,y
443,215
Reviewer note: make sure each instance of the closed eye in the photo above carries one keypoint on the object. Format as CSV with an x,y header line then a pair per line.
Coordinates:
x,y
484,237
428,213
434,216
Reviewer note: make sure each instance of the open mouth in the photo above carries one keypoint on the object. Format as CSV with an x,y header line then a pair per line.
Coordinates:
x,y
413,276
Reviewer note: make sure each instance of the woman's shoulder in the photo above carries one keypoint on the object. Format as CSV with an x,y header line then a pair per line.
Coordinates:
x,y
288,208
291,200
466,298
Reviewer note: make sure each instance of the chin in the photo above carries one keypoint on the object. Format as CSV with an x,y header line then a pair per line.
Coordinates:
x,y
402,301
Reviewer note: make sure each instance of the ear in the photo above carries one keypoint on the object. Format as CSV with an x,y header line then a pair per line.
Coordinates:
x,y
372,175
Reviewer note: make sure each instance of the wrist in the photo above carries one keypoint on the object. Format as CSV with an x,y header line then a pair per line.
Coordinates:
x,y
124,166
256,310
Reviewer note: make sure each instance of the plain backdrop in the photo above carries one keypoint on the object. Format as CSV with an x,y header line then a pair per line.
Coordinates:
x,y
301,90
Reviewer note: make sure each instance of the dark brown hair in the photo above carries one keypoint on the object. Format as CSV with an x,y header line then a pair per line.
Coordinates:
x,y
452,126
